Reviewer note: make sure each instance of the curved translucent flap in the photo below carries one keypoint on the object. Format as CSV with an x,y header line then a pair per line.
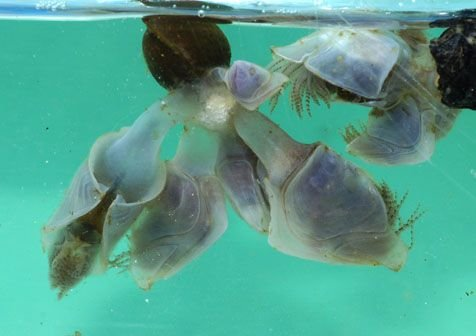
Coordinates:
x,y
73,247
332,212
81,197
120,217
237,170
386,250
329,197
278,152
122,173
298,51
356,60
251,84
399,135
130,158
197,151
320,202
187,217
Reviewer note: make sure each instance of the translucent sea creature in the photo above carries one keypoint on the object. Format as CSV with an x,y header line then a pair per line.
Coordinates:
x,y
189,214
237,167
311,202
394,74
186,218
322,206
353,64
405,129
122,173
401,134
250,84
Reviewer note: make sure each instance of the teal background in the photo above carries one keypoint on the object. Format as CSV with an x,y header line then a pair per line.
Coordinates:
x,y
62,85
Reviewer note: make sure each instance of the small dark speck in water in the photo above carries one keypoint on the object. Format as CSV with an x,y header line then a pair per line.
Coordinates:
x,y
469,293
47,128
77,333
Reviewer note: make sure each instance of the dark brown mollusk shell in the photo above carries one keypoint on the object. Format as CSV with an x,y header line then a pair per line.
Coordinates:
x,y
181,49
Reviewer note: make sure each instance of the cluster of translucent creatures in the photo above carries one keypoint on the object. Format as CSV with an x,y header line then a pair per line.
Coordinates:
x,y
308,200
394,73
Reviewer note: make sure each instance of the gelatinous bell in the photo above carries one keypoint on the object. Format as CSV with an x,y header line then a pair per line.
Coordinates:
x,y
322,206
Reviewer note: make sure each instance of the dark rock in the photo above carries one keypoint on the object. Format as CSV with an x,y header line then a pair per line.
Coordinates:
x,y
455,55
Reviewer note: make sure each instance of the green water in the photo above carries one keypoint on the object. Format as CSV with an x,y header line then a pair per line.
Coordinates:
x,y
62,85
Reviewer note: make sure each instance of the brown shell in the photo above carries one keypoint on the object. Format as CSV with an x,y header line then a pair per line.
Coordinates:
x,y
183,49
